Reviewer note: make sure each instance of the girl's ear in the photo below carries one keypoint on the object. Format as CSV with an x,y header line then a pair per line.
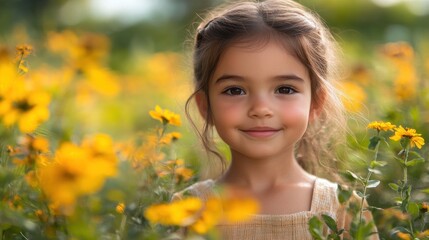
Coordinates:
x,y
317,106
201,99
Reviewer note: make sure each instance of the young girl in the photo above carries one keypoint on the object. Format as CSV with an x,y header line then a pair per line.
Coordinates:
x,y
263,79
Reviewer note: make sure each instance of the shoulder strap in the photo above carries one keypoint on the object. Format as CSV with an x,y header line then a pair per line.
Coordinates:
x,y
325,196
202,189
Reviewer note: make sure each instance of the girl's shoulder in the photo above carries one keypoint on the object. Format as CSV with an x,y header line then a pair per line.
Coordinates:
x,y
201,189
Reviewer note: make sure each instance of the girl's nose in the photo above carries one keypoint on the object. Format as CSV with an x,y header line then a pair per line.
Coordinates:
x,y
260,108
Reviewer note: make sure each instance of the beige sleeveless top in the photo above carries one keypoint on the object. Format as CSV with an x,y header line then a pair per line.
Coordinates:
x,y
290,226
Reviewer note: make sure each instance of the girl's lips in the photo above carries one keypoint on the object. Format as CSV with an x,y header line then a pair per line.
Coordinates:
x,y
261,132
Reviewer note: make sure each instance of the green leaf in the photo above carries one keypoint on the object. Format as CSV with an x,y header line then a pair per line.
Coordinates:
x,y
413,209
333,236
414,153
343,194
373,183
375,163
353,175
414,162
360,194
373,142
315,226
394,186
375,171
364,231
330,222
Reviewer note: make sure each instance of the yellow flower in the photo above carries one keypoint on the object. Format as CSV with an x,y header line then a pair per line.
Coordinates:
x,y
22,51
239,209
147,153
101,80
180,213
238,206
353,97
29,149
15,203
209,217
41,215
398,51
40,144
120,208
75,171
200,216
360,74
401,54
81,51
404,236
183,173
168,138
424,234
90,48
25,106
165,116
8,77
101,149
5,56
175,167
381,126
415,138
31,179
405,81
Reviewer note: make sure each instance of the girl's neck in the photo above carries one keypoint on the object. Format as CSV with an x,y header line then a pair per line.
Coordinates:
x,y
262,175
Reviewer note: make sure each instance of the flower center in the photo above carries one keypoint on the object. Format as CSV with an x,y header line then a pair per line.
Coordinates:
x,y
68,175
23,105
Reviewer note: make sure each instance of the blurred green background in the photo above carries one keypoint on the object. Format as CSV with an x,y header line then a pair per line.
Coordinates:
x,y
164,25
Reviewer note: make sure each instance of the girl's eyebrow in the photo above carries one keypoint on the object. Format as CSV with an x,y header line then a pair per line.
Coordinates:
x,y
289,77
240,78
228,77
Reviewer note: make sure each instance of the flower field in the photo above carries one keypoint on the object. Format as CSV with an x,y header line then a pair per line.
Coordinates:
x,y
90,152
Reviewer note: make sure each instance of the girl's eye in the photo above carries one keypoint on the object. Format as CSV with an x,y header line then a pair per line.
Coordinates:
x,y
234,91
285,90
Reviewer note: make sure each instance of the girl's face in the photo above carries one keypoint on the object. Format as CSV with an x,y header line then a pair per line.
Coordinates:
x,y
260,100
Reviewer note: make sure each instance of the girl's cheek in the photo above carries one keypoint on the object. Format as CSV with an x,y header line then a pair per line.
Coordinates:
x,y
228,109
227,103
295,113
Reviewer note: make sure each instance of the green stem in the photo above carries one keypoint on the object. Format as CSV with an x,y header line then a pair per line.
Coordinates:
x,y
164,128
407,150
122,226
366,182
20,60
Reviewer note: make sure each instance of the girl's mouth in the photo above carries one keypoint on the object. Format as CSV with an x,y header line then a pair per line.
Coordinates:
x,y
261,132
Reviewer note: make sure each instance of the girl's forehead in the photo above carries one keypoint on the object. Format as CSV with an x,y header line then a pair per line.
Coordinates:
x,y
260,58
257,51
258,41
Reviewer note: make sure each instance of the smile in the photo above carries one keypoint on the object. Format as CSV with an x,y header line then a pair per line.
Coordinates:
x,y
261,132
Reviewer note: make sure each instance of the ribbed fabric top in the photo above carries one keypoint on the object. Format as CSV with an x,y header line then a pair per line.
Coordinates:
x,y
288,226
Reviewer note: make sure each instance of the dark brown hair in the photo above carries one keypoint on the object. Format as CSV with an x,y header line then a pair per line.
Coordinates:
x,y
305,36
